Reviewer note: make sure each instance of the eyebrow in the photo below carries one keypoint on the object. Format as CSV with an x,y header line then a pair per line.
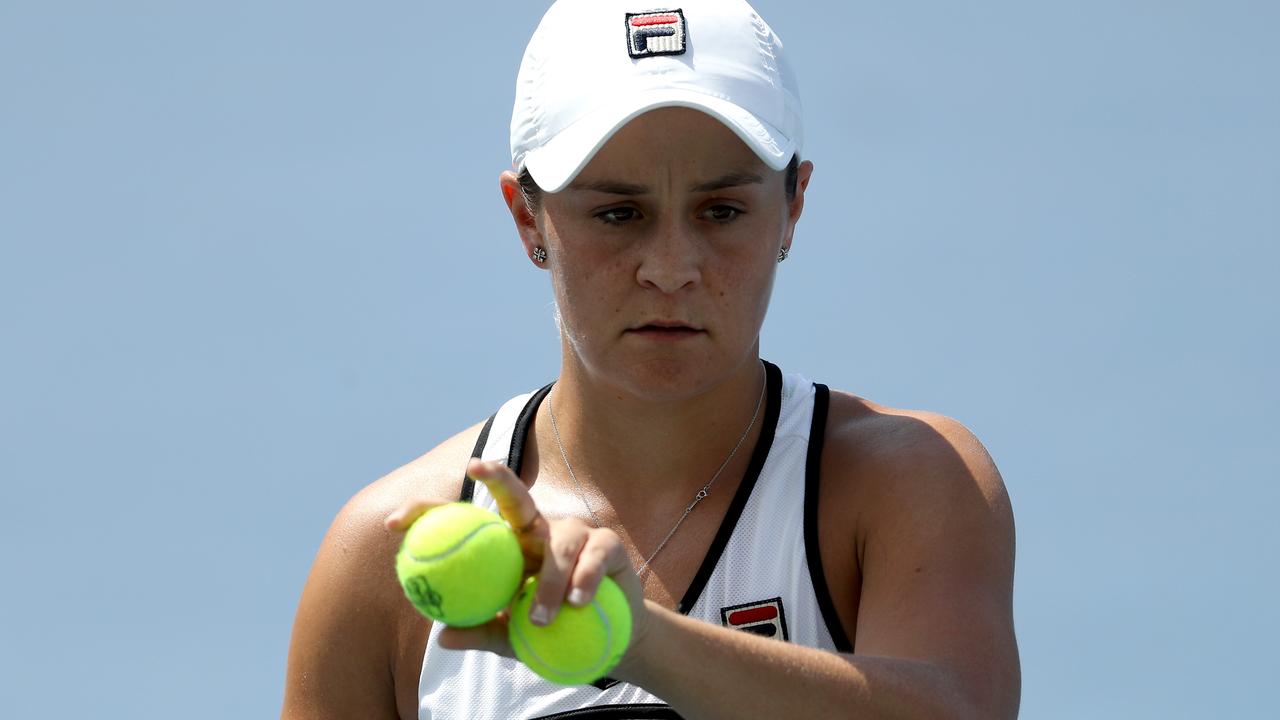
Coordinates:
x,y
728,181
611,187
615,187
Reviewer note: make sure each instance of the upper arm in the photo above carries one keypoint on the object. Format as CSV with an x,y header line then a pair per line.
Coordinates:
x,y
357,644
344,632
937,561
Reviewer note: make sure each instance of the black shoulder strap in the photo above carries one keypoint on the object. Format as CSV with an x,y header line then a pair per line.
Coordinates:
x,y
813,550
469,485
764,443
515,456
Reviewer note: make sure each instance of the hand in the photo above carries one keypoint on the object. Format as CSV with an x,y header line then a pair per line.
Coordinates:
x,y
569,557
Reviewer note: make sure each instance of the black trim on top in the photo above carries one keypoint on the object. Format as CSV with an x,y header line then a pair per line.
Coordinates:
x,y
515,456
773,407
605,683
469,485
633,711
812,547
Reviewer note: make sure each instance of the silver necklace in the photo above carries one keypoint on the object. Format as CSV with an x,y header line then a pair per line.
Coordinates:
x,y
699,497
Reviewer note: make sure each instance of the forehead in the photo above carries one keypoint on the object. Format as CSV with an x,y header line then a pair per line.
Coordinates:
x,y
673,140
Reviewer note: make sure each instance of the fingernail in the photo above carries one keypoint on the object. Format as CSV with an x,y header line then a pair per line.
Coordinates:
x,y
577,596
540,615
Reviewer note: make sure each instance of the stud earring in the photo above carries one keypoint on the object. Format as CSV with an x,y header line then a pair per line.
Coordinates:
x,y
783,253
539,255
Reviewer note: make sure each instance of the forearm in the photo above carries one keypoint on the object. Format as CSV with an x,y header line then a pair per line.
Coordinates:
x,y
707,672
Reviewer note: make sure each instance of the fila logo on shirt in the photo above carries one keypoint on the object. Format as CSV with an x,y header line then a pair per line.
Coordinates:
x,y
764,617
661,32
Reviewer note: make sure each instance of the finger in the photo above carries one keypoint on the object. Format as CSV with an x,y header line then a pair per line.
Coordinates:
x,y
403,517
514,503
603,554
490,637
567,538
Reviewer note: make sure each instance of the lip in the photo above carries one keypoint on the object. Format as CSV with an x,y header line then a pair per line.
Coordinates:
x,y
663,325
666,330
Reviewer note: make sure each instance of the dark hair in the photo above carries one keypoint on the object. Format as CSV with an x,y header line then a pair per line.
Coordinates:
x,y
533,193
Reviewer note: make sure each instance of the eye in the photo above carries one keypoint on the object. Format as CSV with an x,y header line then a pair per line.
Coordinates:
x,y
618,215
722,213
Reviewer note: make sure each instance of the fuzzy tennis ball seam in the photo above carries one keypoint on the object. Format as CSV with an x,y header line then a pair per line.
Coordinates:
x,y
582,644
594,666
459,564
418,587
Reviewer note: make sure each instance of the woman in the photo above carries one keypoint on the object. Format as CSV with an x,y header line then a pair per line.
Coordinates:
x,y
787,551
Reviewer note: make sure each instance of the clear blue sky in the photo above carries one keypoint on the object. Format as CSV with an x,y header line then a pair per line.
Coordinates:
x,y
241,254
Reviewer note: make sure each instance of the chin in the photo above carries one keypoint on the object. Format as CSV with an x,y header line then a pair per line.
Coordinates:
x,y
671,377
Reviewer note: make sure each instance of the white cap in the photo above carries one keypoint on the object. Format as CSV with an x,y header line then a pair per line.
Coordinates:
x,y
594,65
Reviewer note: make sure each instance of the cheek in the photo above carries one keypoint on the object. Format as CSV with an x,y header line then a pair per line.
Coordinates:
x,y
748,288
589,290
744,285
738,296
590,282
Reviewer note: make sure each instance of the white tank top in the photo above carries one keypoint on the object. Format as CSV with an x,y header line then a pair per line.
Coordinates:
x,y
762,573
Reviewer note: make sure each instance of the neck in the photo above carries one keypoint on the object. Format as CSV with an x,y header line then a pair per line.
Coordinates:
x,y
639,451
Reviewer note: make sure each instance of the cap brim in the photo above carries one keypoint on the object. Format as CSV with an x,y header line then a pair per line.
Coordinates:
x,y
555,164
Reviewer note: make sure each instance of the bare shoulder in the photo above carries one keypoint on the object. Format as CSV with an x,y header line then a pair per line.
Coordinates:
x,y
354,635
891,457
437,474
927,537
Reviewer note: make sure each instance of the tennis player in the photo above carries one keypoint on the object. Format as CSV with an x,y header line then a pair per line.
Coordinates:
x,y
788,550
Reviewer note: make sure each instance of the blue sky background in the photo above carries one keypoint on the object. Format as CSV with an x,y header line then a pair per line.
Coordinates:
x,y
241,246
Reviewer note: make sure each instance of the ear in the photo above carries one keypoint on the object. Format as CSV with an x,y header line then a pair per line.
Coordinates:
x,y
796,207
526,221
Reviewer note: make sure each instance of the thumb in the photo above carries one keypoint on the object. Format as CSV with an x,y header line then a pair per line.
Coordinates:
x,y
490,637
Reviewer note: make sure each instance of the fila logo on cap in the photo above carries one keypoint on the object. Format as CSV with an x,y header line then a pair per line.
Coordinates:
x,y
661,32
758,618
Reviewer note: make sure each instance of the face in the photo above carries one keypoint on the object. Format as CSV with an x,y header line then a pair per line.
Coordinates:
x,y
662,254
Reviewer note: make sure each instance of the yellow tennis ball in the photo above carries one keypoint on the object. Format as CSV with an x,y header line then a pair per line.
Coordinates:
x,y
460,564
582,644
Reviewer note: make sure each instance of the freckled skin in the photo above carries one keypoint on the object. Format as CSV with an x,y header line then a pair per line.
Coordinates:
x,y
672,253
915,530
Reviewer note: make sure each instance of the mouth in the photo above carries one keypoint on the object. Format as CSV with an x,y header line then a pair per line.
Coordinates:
x,y
666,330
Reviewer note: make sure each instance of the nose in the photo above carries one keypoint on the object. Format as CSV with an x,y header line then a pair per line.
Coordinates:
x,y
671,258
